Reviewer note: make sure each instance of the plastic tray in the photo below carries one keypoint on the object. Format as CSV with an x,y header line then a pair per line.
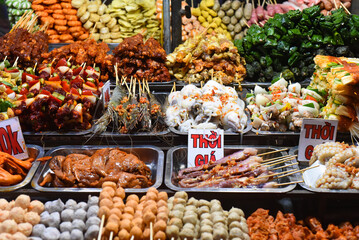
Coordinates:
x,y
36,152
152,156
177,160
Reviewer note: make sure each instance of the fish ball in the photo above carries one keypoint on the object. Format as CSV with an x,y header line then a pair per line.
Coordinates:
x,y
70,204
220,225
182,195
162,209
104,195
112,226
77,234
34,218
244,226
93,200
189,225
66,227
109,184
92,232
126,224
113,218
206,216
151,208
133,197
22,201
176,222
50,233
138,222
233,216
36,206
45,218
179,201
106,202
151,196
55,220
136,232
10,205
25,228
17,214
159,226
203,209
172,231
8,226
19,236
37,230
161,203
187,233
218,218
206,228
235,232
127,216
162,216
238,211
65,235
7,236
124,235
207,222
206,236
4,214
57,206
190,219
149,202
129,210
152,189
220,233
149,217
109,190
146,233
203,202
113,211
120,192
67,214
179,207
160,235
192,201
191,208
93,221
162,196
138,214
176,213
78,224
131,203
79,214
235,224
143,198
82,205
216,208
3,204
171,199
92,211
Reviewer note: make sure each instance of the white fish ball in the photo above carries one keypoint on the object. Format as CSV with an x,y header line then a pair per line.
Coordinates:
x,y
37,230
66,215
50,233
77,234
66,227
78,224
79,214
92,211
65,236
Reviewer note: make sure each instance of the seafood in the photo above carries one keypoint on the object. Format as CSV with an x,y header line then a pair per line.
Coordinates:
x,y
212,106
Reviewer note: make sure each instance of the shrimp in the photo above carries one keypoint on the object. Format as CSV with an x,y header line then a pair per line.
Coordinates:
x,y
188,27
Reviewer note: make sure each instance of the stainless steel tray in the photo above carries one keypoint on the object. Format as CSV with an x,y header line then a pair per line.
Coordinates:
x,y
177,160
152,156
36,152
278,133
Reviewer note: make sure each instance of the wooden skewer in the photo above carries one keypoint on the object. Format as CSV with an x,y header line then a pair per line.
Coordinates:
x,y
111,236
284,166
275,174
278,159
283,161
345,8
288,183
301,170
335,5
133,237
272,159
151,231
101,227
281,150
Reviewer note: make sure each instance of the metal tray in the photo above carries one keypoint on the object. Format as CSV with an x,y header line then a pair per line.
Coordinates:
x,y
36,152
152,156
177,160
278,133
248,84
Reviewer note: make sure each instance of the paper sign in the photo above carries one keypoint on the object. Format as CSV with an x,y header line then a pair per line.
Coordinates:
x,y
106,94
11,138
204,145
314,132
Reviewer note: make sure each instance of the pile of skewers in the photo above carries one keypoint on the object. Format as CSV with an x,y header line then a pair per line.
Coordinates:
x,y
243,169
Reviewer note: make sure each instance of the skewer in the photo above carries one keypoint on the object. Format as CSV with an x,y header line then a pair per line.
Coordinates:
x,y
301,170
281,150
345,8
35,67
111,236
335,5
280,159
288,183
151,231
283,161
275,174
271,159
132,238
284,166
101,227
15,63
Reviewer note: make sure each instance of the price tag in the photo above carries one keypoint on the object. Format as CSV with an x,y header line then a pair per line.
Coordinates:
x,y
314,132
204,145
106,94
11,138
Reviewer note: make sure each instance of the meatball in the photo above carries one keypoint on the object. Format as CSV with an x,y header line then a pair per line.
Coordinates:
x,y
4,214
77,235
37,230
92,221
36,206
3,204
65,236
25,228
17,214
92,211
19,236
10,205
79,214
6,236
78,224
22,201
109,184
71,204
54,220
92,232
8,226
50,233
93,201
133,197
66,227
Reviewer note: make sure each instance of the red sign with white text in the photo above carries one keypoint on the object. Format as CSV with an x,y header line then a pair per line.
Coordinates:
x,y
11,138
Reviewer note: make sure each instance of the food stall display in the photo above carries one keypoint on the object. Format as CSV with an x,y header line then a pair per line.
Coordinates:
x,y
190,26
282,108
213,106
283,46
202,58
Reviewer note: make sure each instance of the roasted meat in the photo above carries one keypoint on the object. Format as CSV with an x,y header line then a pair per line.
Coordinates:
x,y
80,170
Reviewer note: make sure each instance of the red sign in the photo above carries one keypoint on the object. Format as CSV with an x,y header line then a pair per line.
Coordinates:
x,y
11,138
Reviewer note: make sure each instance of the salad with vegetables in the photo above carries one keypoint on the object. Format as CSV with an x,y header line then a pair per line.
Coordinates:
x,y
283,106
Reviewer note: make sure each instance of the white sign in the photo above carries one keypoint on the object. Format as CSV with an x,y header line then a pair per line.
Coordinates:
x,y
314,132
204,145
106,94
11,138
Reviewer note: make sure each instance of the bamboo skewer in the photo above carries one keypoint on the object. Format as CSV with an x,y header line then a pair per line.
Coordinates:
x,y
271,159
101,227
281,150
151,231
275,174
283,161
289,165
111,236
278,160
345,8
288,183
301,170
132,238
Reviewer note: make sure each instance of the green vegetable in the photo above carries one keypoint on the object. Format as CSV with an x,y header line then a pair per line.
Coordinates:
x,y
4,105
311,105
248,95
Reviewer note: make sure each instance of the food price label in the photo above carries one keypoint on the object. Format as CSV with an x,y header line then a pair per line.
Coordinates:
x,y
11,138
204,145
106,94
314,132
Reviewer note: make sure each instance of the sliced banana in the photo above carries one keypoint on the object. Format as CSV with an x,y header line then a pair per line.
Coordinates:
x,y
85,17
104,30
105,36
88,24
92,8
94,17
115,35
82,10
111,23
105,18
